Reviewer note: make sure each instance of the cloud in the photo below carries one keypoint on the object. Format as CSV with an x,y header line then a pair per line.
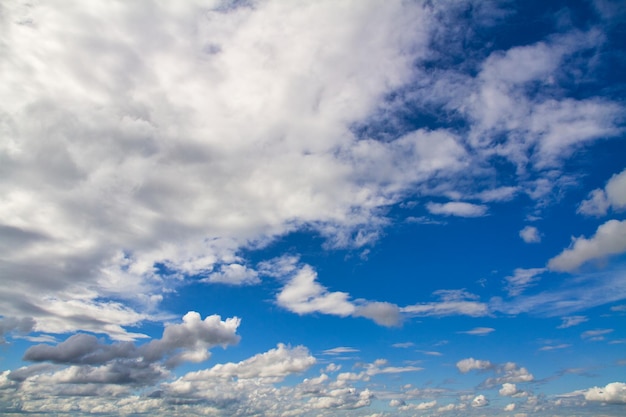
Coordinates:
x,y
571,321
530,234
10,324
403,345
233,274
508,390
185,342
457,208
508,372
479,331
609,239
480,401
340,350
595,335
453,302
274,364
470,364
509,407
612,196
383,313
555,347
613,393
522,279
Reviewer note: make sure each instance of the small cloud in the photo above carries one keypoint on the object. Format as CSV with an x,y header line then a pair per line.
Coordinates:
x,y
339,350
479,331
556,347
620,308
509,407
572,321
530,234
610,239
613,393
480,401
430,353
403,345
595,335
508,390
457,208
471,364
612,196
522,279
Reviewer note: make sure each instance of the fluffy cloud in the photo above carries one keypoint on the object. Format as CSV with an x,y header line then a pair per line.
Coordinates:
x,y
609,239
612,196
508,390
125,362
470,364
457,208
480,401
530,234
613,393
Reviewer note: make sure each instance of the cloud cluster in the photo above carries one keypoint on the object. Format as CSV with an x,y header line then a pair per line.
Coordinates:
x,y
601,200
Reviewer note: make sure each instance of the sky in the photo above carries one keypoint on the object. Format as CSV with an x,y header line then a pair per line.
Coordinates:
x,y
313,208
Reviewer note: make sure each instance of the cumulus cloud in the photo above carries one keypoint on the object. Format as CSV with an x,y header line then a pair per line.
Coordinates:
x,y
612,196
508,390
609,239
530,234
457,208
480,401
189,341
613,393
470,364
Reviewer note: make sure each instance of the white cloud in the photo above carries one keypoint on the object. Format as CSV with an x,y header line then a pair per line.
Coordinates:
x,y
479,331
383,313
595,335
554,347
522,279
234,274
530,234
509,372
340,350
453,302
471,364
274,364
613,393
508,390
612,196
609,239
304,295
457,208
509,407
480,401
571,321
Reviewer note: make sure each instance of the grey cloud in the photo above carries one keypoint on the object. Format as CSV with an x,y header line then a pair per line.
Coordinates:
x,y
10,324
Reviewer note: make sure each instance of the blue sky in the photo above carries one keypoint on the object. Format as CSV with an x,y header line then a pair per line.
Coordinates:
x,y
329,208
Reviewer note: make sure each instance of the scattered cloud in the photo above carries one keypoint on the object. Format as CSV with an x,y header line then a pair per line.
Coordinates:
x,y
470,364
613,393
480,401
555,347
612,196
479,331
609,239
530,234
453,302
457,208
571,321
522,279
403,345
508,390
595,335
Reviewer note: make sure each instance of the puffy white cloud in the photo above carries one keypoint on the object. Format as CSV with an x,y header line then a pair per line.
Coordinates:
x,y
508,390
522,279
470,364
509,407
303,295
613,393
274,364
612,196
480,401
609,239
511,373
234,274
457,208
530,234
